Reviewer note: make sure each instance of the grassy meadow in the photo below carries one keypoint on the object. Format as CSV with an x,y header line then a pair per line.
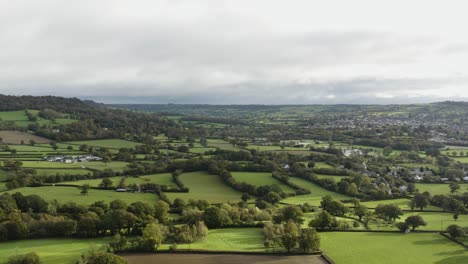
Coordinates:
x,y
391,248
206,187
53,251
259,179
315,196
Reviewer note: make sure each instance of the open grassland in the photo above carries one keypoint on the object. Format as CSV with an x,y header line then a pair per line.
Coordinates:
x,y
259,179
391,248
238,239
53,251
206,187
13,116
403,203
53,172
72,194
335,178
201,150
162,179
97,165
3,175
438,221
107,143
461,159
15,137
223,146
315,196
439,188
321,165
219,259
419,165
3,186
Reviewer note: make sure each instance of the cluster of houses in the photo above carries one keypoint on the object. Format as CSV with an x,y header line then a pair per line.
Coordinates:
x,y
72,159
349,152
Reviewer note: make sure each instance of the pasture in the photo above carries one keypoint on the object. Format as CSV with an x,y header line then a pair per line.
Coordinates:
x,y
391,248
315,196
403,203
15,137
107,143
221,259
206,187
259,179
238,239
438,221
53,250
161,179
439,188
64,194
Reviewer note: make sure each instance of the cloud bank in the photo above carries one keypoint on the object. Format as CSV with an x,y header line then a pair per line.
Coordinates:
x,y
235,52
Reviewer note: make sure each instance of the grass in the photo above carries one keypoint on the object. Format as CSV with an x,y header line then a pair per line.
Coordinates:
x,y
107,143
321,165
206,187
72,194
438,221
336,178
162,179
15,137
403,203
53,251
13,116
390,248
115,165
439,188
461,159
315,196
260,178
53,172
201,150
238,239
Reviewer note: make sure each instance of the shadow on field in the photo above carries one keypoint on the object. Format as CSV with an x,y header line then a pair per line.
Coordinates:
x,y
453,260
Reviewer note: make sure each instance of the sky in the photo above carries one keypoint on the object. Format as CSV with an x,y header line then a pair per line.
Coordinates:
x,y
236,52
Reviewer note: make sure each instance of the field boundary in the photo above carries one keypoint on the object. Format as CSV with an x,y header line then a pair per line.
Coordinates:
x,y
224,252
453,239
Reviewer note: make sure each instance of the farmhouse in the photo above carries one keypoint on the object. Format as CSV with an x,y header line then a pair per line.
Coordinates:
x,y
72,159
349,152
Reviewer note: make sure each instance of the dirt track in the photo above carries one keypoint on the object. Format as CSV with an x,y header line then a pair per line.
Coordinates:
x,y
219,259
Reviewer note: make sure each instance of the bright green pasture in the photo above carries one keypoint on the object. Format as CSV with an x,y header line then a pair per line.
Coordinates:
x,y
53,172
403,203
13,115
461,159
321,165
336,178
72,194
204,186
259,179
53,251
438,221
97,165
439,188
419,165
107,143
238,239
223,146
391,248
272,148
201,150
3,186
162,179
315,196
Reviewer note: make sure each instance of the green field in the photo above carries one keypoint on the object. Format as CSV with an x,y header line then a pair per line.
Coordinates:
x,y
461,159
97,165
13,116
107,143
259,179
206,187
391,248
162,179
53,172
403,203
315,196
238,239
438,221
439,188
72,194
335,178
53,251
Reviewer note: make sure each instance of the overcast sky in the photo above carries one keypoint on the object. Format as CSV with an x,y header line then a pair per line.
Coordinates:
x,y
236,52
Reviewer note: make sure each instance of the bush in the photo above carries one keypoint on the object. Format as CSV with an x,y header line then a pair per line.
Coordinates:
x,y
105,258
30,258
